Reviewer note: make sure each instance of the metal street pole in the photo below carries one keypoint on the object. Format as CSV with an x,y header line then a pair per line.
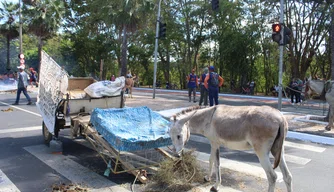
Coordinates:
x,y
280,73
20,21
156,49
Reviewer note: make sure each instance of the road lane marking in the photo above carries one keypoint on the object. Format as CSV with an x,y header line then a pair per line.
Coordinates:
x,y
207,188
288,158
21,109
304,147
203,139
13,130
73,171
238,166
6,184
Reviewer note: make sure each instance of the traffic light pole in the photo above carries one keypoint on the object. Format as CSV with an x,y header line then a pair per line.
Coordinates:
x,y
156,50
20,30
280,73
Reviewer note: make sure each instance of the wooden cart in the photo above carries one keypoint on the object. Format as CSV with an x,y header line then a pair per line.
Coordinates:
x,y
73,112
64,104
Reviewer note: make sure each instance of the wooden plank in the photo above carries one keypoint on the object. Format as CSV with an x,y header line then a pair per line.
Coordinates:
x,y
163,152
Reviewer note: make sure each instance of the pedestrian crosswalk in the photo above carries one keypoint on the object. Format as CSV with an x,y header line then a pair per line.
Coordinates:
x,y
77,173
6,184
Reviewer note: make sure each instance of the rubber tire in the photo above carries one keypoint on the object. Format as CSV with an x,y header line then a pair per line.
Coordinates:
x,y
47,136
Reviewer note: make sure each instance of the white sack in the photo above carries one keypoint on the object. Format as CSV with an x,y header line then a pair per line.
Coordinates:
x,y
106,88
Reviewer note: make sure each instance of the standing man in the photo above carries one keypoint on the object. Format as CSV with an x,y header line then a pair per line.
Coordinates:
x,y
293,86
112,78
212,82
33,77
22,84
299,90
252,87
204,91
192,84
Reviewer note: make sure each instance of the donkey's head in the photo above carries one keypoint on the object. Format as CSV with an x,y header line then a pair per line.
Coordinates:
x,y
180,130
179,133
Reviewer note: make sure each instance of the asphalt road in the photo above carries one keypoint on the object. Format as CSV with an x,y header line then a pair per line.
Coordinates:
x,y
27,165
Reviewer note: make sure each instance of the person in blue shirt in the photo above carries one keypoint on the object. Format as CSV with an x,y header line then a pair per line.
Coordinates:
x,y
212,82
192,84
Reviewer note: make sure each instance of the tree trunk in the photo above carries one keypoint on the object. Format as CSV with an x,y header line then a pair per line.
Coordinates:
x,y
332,45
124,51
8,51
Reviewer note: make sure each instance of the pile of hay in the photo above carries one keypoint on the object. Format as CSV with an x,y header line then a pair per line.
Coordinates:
x,y
181,173
68,188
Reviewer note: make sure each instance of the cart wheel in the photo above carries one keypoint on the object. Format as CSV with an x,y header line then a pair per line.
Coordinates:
x,y
47,136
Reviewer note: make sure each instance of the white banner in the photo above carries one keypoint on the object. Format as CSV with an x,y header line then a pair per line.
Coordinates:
x,y
53,83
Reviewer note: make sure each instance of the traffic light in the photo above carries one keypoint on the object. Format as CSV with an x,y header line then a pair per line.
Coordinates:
x,y
215,4
287,33
162,30
276,35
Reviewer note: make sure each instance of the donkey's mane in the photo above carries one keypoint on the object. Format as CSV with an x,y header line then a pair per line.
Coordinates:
x,y
185,111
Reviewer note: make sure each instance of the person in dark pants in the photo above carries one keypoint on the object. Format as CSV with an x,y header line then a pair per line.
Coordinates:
x,y
22,85
299,89
293,93
192,84
204,91
212,82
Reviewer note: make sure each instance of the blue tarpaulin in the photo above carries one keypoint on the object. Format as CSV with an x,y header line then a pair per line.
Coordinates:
x,y
131,129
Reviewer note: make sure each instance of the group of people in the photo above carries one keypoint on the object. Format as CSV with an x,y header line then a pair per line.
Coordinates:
x,y
209,82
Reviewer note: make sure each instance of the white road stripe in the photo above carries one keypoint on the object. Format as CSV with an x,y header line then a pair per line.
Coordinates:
x,y
13,130
288,158
6,185
207,188
239,166
202,139
21,109
73,171
304,147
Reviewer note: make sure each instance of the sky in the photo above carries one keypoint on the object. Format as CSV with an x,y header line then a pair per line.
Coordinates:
x,y
8,1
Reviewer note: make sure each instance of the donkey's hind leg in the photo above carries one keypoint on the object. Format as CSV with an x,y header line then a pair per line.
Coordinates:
x,y
286,173
263,155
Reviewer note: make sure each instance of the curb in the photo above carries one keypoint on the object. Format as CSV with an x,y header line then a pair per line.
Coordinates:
x,y
291,134
310,138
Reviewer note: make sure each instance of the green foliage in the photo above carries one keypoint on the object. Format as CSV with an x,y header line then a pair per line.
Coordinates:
x,y
236,39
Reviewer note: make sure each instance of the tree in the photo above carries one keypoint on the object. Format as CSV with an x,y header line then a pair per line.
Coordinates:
x,y
43,19
7,29
126,17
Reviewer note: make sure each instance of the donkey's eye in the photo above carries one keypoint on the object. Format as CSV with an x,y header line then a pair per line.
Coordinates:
x,y
178,136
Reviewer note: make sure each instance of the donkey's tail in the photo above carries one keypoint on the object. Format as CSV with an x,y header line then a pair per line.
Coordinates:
x,y
277,147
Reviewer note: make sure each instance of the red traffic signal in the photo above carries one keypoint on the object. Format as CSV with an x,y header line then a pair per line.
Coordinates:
x,y
277,27
276,35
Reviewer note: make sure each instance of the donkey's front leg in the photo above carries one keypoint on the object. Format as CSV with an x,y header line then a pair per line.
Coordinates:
x,y
211,162
218,175
330,118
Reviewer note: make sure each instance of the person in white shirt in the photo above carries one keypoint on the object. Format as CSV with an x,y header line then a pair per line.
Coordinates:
x,y
22,84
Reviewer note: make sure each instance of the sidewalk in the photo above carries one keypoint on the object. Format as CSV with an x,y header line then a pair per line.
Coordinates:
x,y
294,114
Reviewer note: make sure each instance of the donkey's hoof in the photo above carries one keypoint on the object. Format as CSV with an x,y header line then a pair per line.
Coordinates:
x,y
213,189
328,128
